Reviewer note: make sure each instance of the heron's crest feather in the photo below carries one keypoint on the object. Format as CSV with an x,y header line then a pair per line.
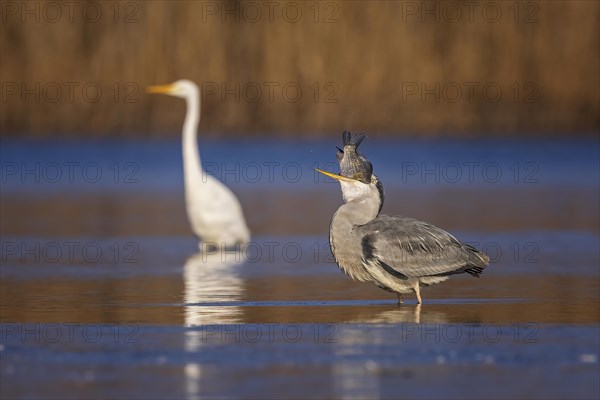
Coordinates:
x,y
352,139
352,163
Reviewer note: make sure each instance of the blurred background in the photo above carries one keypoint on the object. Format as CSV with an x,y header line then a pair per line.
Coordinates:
x,y
418,68
483,118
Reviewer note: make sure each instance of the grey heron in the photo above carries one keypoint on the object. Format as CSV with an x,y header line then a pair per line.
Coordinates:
x,y
214,212
398,254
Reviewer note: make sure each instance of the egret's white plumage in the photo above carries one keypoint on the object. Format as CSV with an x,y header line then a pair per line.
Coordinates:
x,y
214,212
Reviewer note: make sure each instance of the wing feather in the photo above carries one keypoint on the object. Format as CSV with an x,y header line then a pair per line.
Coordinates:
x,y
408,248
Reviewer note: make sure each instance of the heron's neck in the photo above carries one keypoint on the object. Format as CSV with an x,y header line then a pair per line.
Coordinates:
x,y
191,158
358,212
361,203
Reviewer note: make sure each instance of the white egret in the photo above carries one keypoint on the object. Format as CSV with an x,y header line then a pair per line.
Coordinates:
x,y
214,212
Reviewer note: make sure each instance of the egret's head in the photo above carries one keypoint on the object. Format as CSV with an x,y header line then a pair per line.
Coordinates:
x,y
182,88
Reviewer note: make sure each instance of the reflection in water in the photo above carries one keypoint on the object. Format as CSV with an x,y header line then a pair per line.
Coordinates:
x,y
404,314
354,380
193,374
209,278
410,315
396,314
361,379
352,374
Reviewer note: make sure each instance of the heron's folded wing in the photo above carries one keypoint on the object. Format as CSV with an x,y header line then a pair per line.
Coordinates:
x,y
405,247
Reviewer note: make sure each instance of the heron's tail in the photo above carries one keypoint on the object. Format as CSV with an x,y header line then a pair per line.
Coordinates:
x,y
477,261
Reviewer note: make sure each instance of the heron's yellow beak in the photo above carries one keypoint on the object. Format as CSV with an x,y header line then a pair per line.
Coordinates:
x,y
160,89
335,176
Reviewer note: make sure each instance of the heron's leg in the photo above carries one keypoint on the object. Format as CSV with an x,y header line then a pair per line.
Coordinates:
x,y
417,291
400,298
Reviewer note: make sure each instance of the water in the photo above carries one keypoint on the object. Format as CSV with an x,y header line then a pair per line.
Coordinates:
x,y
103,294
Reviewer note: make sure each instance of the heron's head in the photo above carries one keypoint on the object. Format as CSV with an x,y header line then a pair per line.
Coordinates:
x,y
356,176
358,188
182,88
352,163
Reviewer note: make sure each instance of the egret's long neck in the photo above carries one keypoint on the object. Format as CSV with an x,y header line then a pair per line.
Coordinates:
x,y
192,169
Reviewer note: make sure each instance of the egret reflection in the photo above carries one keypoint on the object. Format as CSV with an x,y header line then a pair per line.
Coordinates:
x,y
210,279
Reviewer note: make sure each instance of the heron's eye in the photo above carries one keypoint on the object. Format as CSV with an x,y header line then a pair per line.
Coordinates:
x,y
361,176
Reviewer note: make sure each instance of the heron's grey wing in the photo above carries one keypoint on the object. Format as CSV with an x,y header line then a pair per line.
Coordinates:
x,y
407,248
